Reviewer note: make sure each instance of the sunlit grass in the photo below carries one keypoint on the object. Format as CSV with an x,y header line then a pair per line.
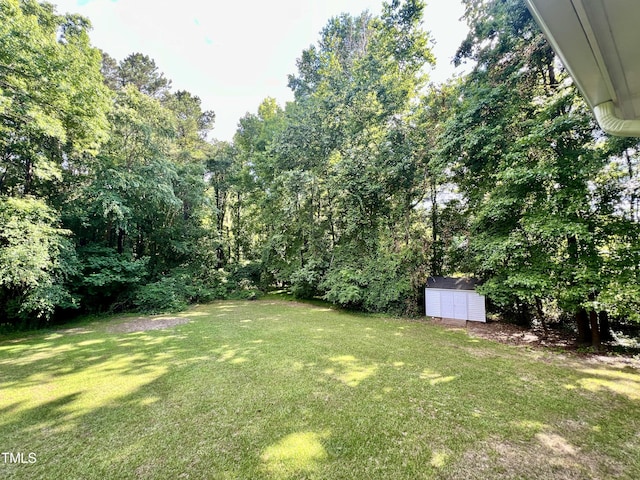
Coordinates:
x,y
273,389
294,454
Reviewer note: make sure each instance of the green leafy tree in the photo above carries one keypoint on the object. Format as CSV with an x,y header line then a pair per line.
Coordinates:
x,y
251,197
192,126
527,165
53,117
340,174
36,260
140,213
219,166
617,189
52,102
141,71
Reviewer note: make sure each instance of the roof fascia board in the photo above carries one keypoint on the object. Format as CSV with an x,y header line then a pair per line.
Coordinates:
x,y
596,85
551,38
587,28
607,56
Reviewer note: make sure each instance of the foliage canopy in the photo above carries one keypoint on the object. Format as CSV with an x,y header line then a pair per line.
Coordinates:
x,y
114,196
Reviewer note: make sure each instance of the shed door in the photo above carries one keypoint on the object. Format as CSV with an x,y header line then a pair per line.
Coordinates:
x,y
460,305
453,305
446,304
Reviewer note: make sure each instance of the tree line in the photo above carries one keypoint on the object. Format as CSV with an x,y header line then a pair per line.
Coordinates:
x,y
112,196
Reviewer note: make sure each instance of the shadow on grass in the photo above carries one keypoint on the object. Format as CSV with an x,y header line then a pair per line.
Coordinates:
x,y
116,393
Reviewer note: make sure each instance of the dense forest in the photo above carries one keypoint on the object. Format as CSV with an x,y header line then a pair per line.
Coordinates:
x,y
113,197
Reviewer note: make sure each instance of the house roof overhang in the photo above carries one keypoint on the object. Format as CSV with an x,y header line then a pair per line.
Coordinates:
x,y
599,43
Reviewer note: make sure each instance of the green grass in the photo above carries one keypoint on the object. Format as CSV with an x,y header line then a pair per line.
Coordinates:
x,y
275,389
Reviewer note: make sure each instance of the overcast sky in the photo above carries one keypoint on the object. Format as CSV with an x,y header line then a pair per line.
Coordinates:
x,y
233,54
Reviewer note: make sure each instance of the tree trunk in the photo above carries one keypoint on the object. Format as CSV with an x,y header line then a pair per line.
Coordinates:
x,y
120,240
28,177
436,254
237,236
584,332
634,197
140,244
524,316
4,175
595,330
540,311
107,234
605,328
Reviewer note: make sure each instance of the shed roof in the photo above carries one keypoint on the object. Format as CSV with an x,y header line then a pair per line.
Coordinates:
x,y
599,41
452,283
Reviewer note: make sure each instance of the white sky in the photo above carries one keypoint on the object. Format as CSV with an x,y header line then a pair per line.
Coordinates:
x,y
233,54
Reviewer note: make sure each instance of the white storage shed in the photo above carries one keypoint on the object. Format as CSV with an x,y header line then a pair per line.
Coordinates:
x,y
454,298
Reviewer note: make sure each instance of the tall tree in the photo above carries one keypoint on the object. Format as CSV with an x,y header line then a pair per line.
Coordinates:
x,y
341,173
252,177
52,102
220,169
141,71
53,115
193,125
526,164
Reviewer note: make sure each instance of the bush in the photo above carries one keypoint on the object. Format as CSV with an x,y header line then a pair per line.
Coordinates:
x,y
305,281
166,295
36,261
108,278
202,284
345,286
381,284
250,271
245,290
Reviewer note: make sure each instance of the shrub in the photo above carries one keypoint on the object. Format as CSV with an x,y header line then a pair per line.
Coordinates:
x,y
245,290
36,260
166,295
380,283
108,278
345,286
250,271
305,281
202,284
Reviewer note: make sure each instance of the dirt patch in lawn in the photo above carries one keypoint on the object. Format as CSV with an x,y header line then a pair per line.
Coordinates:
x,y
537,338
548,456
142,324
516,335
512,334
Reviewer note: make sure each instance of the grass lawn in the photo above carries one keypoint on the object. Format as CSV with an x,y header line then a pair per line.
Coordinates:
x,y
274,389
